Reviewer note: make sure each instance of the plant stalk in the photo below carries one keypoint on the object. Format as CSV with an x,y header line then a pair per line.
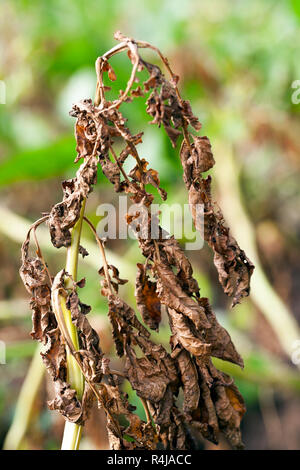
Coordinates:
x,y
72,431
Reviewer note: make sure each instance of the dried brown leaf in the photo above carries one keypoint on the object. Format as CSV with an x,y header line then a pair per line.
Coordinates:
x,y
234,268
147,299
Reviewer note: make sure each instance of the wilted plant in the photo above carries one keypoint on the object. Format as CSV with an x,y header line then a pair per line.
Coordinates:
x,y
164,283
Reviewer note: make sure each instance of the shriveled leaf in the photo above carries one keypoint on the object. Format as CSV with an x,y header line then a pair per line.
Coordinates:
x,y
189,377
234,268
187,336
171,294
221,343
116,405
90,351
151,374
147,299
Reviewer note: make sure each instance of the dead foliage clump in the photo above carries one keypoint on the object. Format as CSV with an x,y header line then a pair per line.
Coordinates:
x,y
165,284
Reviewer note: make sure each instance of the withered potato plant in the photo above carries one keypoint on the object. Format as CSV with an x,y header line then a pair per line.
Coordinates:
x,y
164,283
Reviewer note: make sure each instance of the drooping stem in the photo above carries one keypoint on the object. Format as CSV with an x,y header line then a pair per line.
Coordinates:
x,y
72,431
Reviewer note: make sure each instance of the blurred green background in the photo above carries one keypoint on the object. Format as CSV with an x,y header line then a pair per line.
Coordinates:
x,y
237,61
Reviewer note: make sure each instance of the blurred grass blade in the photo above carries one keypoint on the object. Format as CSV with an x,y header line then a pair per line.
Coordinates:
x,y
25,403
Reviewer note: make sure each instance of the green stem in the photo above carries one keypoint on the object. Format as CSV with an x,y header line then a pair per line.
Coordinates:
x,y
72,436
72,431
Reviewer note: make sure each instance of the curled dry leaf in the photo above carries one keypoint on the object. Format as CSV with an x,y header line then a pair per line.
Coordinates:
x,y
171,294
114,284
187,336
90,351
189,378
234,268
141,174
176,257
221,343
116,405
65,214
152,374
137,92
147,299
221,406
82,251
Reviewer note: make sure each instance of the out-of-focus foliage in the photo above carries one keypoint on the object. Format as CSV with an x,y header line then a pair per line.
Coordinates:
x,y
237,61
